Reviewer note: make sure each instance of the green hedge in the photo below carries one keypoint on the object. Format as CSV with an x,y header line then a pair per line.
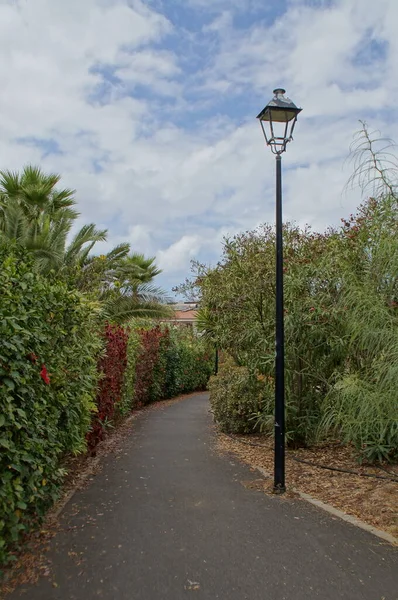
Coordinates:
x,y
52,357
163,362
189,360
127,402
48,380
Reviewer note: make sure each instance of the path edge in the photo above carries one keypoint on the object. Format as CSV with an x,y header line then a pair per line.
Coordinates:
x,y
387,537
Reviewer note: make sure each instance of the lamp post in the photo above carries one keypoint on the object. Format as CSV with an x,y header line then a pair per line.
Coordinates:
x,y
277,121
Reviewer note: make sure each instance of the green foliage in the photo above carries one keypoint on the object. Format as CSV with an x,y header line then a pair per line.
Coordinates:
x,y
236,395
190,362
48,380
127,402
357,412
341,314
158,389
341,327
361,407
238,305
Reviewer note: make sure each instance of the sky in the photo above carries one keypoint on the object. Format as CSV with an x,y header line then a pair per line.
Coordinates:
x,y
148,109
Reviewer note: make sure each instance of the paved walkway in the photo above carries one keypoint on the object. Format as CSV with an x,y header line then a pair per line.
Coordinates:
x,y
168,519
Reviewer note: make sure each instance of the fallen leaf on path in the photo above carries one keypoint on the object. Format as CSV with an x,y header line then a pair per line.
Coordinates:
x,y
192,585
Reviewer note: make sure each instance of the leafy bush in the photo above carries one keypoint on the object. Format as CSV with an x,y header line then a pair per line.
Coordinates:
x,y
191,362
357,412
236,395
62,384
48,381
341,324
128,399
111,367
158,389
361,407
172,359
239,298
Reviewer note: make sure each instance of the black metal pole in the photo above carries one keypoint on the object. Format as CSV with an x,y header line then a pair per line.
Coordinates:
x,y
279,458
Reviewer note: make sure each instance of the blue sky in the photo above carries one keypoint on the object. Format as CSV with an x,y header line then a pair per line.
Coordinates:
x,y
147,109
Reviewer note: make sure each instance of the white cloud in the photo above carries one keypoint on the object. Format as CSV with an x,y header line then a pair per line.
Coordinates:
x,y
149,68
156,126
179,254
51,48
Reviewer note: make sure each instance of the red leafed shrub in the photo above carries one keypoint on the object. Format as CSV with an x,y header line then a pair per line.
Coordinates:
x,y
146,362
143,365
112,367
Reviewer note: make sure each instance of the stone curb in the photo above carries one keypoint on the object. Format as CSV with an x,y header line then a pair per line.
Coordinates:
x,y
387,537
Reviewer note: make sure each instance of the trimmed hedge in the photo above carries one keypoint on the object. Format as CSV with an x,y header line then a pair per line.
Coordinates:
x,y
63,383
192,364
48,381
144,363
127,402
111,366
163,362
147,388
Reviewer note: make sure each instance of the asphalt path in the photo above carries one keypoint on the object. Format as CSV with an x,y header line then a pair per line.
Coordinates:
x,y
167,518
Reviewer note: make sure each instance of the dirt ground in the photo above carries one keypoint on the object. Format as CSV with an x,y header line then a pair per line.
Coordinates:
x,y
373,500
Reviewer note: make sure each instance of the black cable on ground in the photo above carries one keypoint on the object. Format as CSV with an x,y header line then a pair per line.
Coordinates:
x,y
312,464
307,462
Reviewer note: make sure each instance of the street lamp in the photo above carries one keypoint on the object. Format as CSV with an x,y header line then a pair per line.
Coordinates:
x,y
277,121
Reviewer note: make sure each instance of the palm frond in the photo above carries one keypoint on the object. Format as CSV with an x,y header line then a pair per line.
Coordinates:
x,y
123,308
87,235
118,252
10,183
14,225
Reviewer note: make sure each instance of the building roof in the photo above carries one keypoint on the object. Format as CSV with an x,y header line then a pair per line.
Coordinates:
x,y
185,315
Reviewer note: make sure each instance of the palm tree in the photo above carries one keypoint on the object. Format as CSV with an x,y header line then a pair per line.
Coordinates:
x,y
144,267
36,215
80,247
35,192
43,238
39,217
206,323
123,282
